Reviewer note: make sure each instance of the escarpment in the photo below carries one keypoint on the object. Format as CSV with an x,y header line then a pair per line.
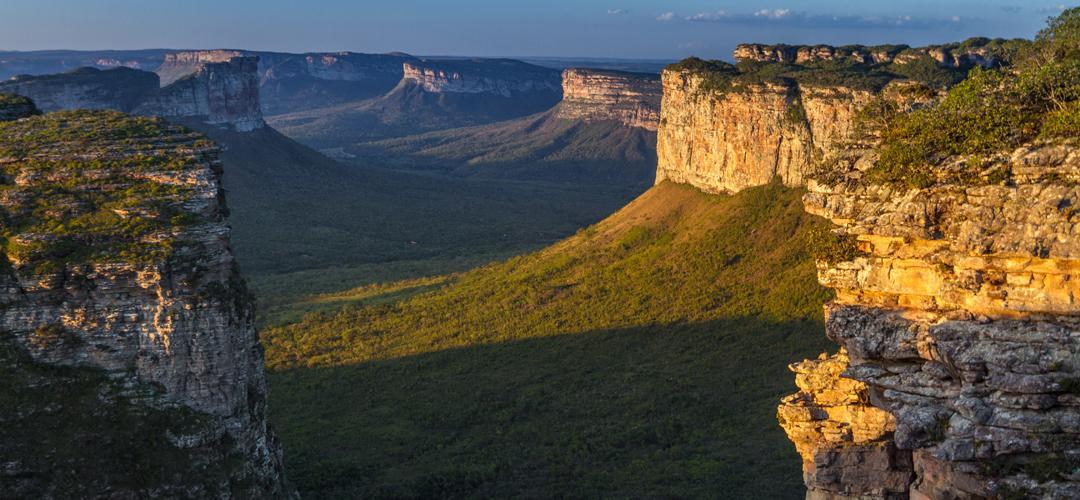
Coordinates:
x,y
501,77
957,316
973,52
632,99
215,92
130,359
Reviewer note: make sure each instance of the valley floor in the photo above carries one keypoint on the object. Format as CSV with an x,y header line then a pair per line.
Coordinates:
x,y
643,356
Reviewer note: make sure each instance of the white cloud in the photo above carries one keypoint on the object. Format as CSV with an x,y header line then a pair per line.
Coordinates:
x,y
773,14
617,12
665,17
708,16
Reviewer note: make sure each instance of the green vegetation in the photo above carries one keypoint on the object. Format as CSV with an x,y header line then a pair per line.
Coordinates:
x,y
642,357
991,112
75,432
59,221
829,247
304,225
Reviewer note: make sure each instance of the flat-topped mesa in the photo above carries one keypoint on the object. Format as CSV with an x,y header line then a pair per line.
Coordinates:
x,y
500,77
180,64
632,99
973,52
218,93
335,66
128,276
959,316
121,89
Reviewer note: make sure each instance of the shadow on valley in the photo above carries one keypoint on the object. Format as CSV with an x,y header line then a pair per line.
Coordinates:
x,y
678,410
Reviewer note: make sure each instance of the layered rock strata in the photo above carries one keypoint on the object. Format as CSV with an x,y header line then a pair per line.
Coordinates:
x,y
632,99
500,77
219,93
216,92
127,271
960,317
980,52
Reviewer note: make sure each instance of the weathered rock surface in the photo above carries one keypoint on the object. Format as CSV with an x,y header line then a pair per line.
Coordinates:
x,y
219,93
122,89
632,99
726,142
961,318
500,77
152,298
212,86
982,52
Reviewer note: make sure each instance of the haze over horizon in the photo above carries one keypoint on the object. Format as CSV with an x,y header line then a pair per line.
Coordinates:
x,y
629,29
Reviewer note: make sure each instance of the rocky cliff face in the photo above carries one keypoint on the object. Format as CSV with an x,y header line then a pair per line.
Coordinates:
x,y
975,52
504,78
181,64
85,88
959,334
219,93
728,141
126,273
215,92
632,99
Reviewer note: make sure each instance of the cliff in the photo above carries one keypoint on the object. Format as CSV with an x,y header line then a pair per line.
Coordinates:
x,y
217,93
431,95
969,53
957,321
724,129
131,362
500,77
632,99
86,88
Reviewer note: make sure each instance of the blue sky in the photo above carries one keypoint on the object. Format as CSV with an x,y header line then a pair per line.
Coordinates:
x,y
662,29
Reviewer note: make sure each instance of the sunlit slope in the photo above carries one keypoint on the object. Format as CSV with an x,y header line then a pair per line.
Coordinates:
x,y
642,357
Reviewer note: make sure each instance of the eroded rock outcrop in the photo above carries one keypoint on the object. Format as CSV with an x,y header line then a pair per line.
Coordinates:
x,y
974,52
500,77
213,87
218,93
125,287
961,319
632,99
122,89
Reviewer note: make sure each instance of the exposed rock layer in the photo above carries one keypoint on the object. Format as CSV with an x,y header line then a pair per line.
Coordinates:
x,y
728,141
632,99
501,77
961,319
217,92
952,56
168,315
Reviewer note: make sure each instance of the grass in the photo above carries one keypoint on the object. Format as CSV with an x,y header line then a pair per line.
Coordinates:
x,y
643,356
304,224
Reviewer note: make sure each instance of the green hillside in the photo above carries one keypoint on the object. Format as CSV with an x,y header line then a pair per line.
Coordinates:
x,y
304,224
642,357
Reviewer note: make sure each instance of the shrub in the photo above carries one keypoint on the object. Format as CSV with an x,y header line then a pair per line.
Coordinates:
x,y
828,247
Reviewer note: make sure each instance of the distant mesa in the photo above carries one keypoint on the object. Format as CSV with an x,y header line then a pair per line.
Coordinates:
x,y
632,99
215,92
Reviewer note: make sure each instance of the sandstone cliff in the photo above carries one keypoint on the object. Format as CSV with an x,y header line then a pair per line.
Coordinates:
x,y
129,351
219,93
960,343
224,93
632,99
500,77
973,52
